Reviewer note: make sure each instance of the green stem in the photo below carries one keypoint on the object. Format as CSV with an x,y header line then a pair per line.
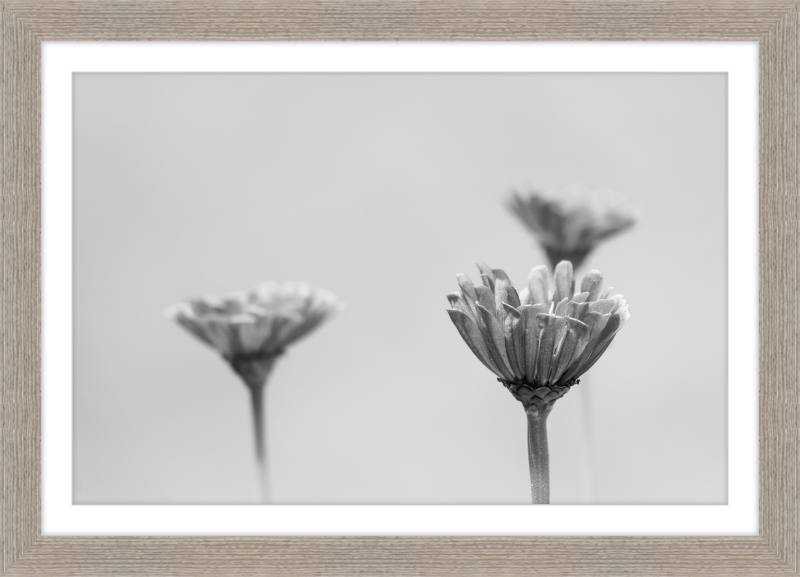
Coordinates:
x,y
538,455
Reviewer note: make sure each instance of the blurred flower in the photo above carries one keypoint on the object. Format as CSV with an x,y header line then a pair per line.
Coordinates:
x,y
251,329
571,223
537,342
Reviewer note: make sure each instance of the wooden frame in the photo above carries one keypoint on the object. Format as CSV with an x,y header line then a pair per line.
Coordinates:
x,y
26,23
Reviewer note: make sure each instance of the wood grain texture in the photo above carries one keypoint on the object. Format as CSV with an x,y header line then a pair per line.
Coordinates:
x,y
779,231
25,23
437,556
399,19
20,311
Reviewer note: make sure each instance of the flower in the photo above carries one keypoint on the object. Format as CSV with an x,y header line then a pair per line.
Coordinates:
x,y
570,224
250,329
538,343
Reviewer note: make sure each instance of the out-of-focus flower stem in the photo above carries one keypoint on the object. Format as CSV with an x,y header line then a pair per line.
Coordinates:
x,y
585,432
555,256
257,404
255,372
538,454
585,436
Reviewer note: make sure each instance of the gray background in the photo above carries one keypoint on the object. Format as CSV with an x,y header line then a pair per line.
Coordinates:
x,y
380,187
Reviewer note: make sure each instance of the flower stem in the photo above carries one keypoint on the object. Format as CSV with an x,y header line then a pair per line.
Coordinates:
x,y
257,404
254,371
538,455
586,435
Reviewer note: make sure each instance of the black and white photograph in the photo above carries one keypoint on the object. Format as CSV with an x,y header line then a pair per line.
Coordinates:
x,y
400,288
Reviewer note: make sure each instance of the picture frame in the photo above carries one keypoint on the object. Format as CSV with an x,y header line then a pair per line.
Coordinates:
x,y
25,24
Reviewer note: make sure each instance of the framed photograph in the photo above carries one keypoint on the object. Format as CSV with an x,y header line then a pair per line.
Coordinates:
x,y
240,330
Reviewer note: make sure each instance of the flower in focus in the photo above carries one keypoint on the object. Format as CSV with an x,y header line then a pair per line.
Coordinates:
x,y
538,342
571,223
250,329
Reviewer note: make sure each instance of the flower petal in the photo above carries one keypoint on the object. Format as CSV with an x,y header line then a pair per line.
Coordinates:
x,y
495,341
221,336
512,296
262,320
524,296
520,339
499,274
553,331
596,322
511,311
577,334
606,292
614,324
534,309
467,290
538,280
561,308
601,306
194,326
485,299
504,292
457,302
486,275
592,283
565,284
283,332
580,298
577,310
176,311
514,348
294,331
529,326
469,331
251,334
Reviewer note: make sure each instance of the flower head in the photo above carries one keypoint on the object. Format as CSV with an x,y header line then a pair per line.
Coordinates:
x,y
571,223
537,342
250,329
